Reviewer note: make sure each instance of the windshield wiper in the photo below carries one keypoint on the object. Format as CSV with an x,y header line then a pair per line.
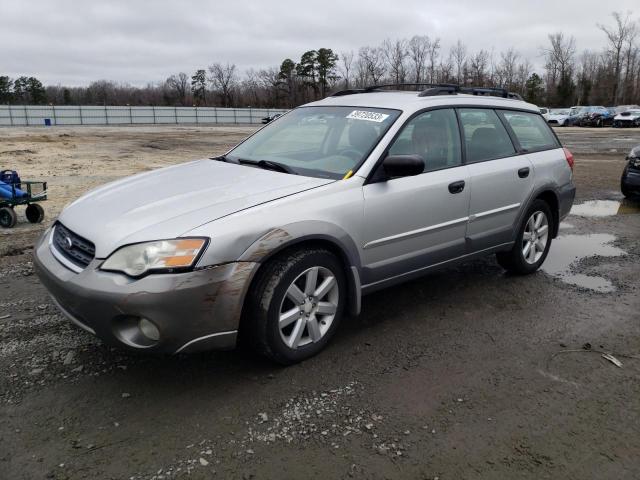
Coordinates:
x,y
270,165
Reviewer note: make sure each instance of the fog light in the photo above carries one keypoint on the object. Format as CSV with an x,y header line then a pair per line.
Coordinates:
x,y
149,330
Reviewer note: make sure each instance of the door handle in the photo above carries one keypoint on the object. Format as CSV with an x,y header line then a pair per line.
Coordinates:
x,y
456,187
523,172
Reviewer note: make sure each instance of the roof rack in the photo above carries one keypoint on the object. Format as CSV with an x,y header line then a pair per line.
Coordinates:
x,y
434,89
397,86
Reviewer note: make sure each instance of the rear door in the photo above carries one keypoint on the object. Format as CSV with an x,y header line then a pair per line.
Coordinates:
x,y
413,222
501,178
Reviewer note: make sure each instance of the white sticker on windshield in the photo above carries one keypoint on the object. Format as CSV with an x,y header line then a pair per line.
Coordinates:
x,y
369,116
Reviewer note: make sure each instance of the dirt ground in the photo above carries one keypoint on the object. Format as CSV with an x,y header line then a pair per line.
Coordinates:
x,y
467,373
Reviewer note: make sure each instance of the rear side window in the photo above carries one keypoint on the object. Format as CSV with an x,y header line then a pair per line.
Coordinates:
x,y
531,130
485,136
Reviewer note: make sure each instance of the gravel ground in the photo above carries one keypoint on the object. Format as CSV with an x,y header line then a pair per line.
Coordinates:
x,y
466,373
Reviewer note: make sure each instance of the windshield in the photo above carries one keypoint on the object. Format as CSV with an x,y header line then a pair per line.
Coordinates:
x,y
326,142
559,111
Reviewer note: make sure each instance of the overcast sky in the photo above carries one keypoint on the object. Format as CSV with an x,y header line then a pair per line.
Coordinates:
x,y
73,42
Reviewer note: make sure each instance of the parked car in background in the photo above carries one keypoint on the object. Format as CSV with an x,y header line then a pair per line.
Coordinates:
x,y
630,118
558,116
623,108
596,117
630,181
268,119
575,114
279,238
545,113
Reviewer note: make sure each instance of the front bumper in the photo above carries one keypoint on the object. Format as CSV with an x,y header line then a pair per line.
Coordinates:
x,y
193,311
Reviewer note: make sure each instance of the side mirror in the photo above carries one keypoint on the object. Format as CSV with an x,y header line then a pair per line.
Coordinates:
x,y
403,165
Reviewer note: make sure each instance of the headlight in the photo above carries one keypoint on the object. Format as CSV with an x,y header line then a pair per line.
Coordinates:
x,y
163,255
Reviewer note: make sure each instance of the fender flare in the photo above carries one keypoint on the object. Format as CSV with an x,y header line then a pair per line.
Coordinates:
x,y
535,194
286,236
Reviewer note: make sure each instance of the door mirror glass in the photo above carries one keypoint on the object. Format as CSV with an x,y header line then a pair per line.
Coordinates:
x,y
403,165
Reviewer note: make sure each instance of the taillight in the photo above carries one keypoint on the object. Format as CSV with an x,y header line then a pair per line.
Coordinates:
x,y
569,156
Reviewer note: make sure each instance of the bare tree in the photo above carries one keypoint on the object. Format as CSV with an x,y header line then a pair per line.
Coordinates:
x,y
618,36
418,48
560,65
271,82
373,63
478,66
346,67
179,85
224,79
459,57
433,53
507,68
395,54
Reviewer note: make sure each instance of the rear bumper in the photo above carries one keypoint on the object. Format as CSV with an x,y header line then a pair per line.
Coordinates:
x,y
192,311
566,195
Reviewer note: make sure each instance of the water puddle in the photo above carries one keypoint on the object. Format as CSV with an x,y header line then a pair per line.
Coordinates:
x,y
605,208
568,250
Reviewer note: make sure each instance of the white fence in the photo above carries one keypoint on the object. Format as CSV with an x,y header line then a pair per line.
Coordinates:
x,y
49,115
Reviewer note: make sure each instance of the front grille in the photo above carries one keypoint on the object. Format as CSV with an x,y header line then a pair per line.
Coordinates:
x,y
74,248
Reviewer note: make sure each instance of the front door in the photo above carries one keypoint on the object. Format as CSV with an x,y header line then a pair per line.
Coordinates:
x,y
418,221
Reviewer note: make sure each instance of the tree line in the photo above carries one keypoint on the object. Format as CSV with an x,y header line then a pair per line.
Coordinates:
x,y
610,76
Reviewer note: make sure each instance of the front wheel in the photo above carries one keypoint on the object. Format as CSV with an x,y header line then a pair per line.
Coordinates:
x,y
532,242
295,305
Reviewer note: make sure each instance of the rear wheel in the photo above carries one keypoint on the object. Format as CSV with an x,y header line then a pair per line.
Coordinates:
x,y
35,213
8,217
295,305
532,242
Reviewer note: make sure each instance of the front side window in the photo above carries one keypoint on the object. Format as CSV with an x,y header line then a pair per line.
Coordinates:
x,y
323,142
485,136
434,136
531,130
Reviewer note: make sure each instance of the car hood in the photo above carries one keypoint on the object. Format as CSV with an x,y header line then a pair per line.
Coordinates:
x,y
557,116
169,202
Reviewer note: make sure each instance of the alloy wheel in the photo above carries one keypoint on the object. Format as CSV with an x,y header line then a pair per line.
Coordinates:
x,y
308,307
535,237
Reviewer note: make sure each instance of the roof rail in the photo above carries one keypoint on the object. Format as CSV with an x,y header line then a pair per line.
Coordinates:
x,y
434,89
398,86
491,91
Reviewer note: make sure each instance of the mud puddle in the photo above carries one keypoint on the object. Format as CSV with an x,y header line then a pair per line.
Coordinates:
x,y
567,250
605,208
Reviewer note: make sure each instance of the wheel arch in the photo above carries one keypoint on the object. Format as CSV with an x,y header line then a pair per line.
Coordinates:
x,y
548,194
334,239
551,198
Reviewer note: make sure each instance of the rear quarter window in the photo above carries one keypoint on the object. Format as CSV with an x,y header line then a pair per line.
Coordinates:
x,y
531,130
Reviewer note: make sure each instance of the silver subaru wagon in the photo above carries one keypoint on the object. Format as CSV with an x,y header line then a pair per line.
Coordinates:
x,y
276,241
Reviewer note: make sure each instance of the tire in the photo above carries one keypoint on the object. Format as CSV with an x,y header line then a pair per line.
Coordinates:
x,y
35,213
270,299
8,217
625,191
514,261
